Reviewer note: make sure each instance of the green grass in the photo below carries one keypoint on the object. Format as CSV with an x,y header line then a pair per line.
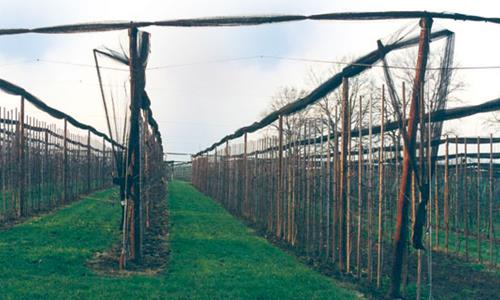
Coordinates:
x,y
456,245
213,256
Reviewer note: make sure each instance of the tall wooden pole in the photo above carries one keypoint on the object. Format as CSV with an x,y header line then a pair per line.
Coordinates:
x,y
478,200
369,196
446,196
246,188
65,163
279,198
400,235
88,162
328,190
456,222
491,201
335,210
466,201
380,190
133,192
360,189
348,187
343,174
22,169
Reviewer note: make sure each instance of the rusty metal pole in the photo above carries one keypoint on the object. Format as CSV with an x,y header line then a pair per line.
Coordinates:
x,y
400,235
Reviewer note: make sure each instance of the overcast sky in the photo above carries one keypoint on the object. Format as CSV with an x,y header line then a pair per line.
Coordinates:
x,y
198,104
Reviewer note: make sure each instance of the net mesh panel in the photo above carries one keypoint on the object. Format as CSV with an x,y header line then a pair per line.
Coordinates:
x,y
355,68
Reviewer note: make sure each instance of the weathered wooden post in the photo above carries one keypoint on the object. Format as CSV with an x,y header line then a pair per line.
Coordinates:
x,y
133,192
246,182
478,200
88,162
400,235
380,190
360,188
466,200
103,166
46,159
446,196
22,168
490,198
343,174
65,163
279,198
369,195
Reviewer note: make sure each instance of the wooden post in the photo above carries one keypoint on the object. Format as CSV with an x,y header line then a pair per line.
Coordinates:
x,y
456,221
103,164
320,197
478,200
65,163
22,167
328,190
88,162
369,195
309,197
400,235
406,253
46,166
491,201
336,197
279,196
314,188
380,190
291,186
360,190
437,220
446,196
246,188
348,187
133,169
466,202
343,175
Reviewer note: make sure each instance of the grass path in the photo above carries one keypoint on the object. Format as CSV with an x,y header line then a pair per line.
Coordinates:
x,y
213,256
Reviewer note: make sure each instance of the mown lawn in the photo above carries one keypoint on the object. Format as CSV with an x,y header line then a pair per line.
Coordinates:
x,y
213,256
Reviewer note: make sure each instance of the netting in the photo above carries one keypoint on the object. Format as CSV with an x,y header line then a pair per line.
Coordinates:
x,y
47,164
323,181
140,170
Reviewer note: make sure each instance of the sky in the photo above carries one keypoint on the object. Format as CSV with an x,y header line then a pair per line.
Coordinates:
x,y
200,102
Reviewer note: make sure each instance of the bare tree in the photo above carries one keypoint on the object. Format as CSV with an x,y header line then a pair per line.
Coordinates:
x,y
292,123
